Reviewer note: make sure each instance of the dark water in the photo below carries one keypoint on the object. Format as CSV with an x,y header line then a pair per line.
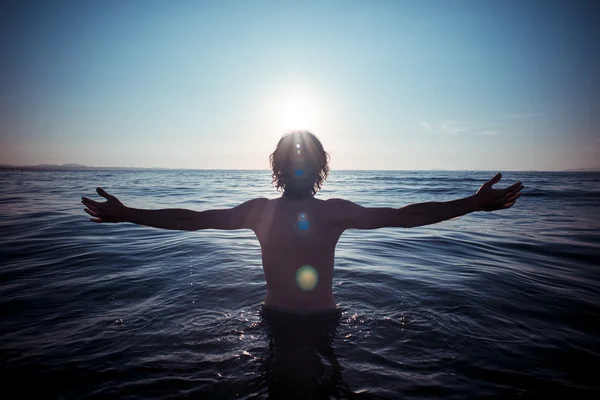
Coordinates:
x,y
502,305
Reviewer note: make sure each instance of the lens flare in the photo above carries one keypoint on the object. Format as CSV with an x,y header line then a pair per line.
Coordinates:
x,y
302,222
306,278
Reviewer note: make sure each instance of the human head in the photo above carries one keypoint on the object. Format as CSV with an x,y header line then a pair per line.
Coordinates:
x,y
299,164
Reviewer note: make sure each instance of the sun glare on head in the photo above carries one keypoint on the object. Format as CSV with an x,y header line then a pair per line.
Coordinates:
x,y
296,113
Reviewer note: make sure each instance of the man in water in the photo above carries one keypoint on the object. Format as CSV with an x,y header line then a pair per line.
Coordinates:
x,y
297,232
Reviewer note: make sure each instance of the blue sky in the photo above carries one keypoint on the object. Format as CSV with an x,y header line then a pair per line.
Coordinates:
x,y
496,85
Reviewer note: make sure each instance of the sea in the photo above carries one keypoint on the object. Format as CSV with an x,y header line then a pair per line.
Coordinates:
x,y
489,305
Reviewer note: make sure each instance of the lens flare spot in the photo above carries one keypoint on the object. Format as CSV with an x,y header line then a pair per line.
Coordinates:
x,y
297,145
302,222
299,173
303,225
306,277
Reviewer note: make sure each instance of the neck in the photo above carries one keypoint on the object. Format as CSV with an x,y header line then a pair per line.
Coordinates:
x,y
297,195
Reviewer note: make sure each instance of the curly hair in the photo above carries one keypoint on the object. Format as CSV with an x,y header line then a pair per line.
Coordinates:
x,y
300,164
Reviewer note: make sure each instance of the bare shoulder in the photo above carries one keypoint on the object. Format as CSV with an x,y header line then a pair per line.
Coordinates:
x,y
246,215
346,214
337,205
253,205
337,201
341,211
259,201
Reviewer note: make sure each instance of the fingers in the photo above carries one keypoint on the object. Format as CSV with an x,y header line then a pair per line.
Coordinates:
x,y
89,202
92,213
508,205
98,217
102,193
514,186
503,201
513,198
494,180
508,194
508,200
99,210
508,197
94,209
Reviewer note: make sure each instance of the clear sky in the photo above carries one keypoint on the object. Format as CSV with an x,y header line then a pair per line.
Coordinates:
x,y
496,85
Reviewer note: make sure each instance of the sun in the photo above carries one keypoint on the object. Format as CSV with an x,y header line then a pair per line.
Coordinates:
x,y
296,113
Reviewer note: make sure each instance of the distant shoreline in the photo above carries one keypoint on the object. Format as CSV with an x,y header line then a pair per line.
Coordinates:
x,y
80,167
73,167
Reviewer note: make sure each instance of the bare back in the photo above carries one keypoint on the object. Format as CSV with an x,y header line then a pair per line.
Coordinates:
x,y
298,247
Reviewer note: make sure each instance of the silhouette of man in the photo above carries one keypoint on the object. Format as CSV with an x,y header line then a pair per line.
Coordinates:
x,y
297,232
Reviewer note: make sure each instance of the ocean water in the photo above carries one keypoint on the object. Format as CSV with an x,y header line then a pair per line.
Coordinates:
x,y
489,305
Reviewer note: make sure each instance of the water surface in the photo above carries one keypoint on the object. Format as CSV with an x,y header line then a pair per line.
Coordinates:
x,y
488,305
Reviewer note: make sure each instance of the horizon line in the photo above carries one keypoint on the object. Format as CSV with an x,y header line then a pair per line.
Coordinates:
x,y
75,167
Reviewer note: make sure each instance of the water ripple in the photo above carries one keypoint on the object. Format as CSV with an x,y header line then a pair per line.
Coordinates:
x,y
503,305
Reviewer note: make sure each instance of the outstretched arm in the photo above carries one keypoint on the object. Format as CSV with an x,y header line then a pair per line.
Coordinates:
x,y
243,216
348,215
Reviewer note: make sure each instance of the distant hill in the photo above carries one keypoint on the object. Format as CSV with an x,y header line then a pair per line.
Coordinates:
x,y
72,165
597,169
66,167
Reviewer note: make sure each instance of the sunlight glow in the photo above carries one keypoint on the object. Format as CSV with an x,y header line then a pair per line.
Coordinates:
x,y
296,113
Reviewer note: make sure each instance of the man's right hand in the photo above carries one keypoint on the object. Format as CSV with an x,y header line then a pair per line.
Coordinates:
x,y
112,210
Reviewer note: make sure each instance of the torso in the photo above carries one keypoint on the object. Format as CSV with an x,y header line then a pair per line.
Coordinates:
x,y
298,247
